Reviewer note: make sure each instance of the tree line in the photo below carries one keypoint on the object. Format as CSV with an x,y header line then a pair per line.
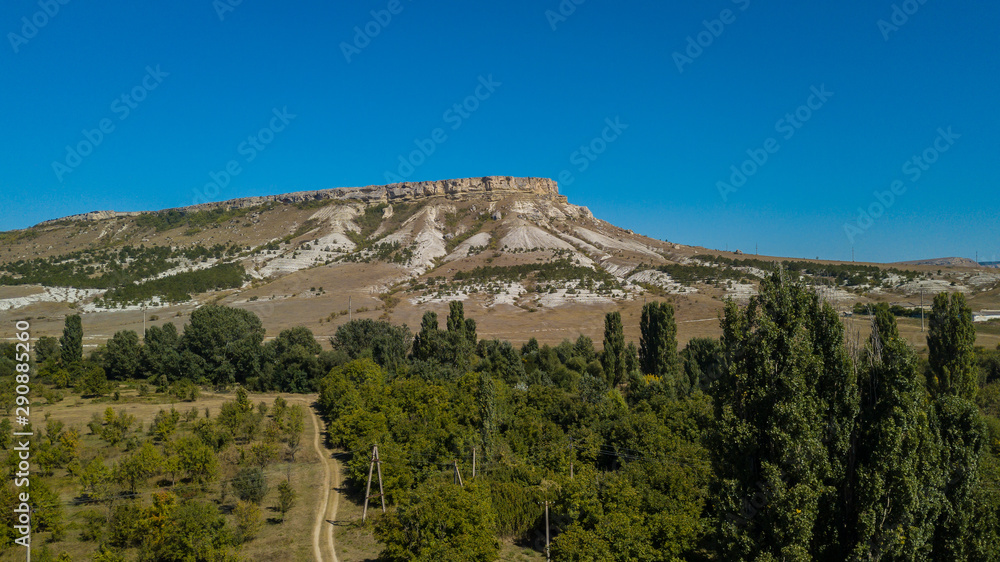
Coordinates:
x,y
785,439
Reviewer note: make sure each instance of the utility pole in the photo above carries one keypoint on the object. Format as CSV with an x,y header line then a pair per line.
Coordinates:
x,y
548,557
921,310
458,475
376,461
350,309
572,455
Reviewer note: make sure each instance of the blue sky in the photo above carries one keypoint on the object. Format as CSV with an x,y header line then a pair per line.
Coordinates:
x,y
211,77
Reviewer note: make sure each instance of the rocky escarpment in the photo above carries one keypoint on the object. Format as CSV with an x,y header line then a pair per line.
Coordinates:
x,y
491,187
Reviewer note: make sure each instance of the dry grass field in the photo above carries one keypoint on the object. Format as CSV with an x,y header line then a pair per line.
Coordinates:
x,y
277,542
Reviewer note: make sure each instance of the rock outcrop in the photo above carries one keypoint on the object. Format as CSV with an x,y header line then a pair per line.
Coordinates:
x,y
492,187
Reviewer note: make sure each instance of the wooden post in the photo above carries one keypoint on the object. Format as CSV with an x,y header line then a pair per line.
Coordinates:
x,y
378,464
368,490
376,461
458,475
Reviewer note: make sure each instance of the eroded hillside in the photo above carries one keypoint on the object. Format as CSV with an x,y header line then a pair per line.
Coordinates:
x,y
527,262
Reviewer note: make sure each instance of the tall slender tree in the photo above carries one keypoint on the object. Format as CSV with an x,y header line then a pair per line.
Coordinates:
x,y
613,356
952,380
895,483
658,341
426,342
71,342
768,449
837,390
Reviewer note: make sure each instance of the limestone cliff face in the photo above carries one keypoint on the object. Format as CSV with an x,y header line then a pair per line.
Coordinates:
x,y
492,187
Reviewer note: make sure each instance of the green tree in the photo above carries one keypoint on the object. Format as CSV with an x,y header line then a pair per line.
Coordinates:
x,y
47,349
896,455
228,341
386,344
488,412
249,520
293,428
658,341
291,361
951,340
136,467
116,427
440,521
768,449
161,356
123,355
250,484
286,498
703,364
97,480
196,460
183,532
427,341
613,356
71,342
460,337
952,380
92,381
838,393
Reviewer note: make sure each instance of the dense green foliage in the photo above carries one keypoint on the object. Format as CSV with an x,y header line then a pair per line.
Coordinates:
x,y
561,269
175,218
71,343
179,287
388,345
779,441
847,274
106,268
658,343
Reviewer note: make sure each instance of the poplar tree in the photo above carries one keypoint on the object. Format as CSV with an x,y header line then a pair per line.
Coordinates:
x,y
768,451
896,481
837,390
71,342
658,340
613,357
952,380
425,343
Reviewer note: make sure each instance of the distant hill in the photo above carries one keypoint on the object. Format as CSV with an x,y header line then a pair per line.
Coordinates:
x,y
526,262
950,262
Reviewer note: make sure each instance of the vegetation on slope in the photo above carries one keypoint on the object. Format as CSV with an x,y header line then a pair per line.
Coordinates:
x,y
777,441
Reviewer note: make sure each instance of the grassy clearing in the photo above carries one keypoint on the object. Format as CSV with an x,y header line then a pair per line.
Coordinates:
x,y
277,541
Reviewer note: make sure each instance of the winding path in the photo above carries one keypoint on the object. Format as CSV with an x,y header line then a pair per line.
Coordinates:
x,y
327,509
